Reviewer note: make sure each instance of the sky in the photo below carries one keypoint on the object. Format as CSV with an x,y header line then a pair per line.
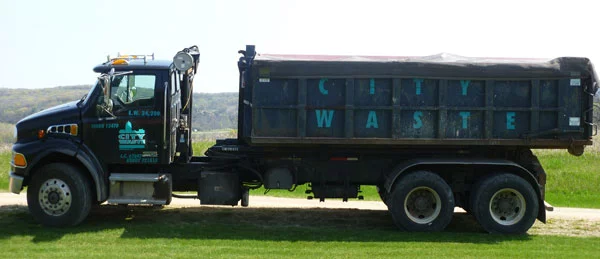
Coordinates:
x,y
57,43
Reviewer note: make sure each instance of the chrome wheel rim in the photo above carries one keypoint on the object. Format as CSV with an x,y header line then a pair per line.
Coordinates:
x,y
55,197
422,205
507,207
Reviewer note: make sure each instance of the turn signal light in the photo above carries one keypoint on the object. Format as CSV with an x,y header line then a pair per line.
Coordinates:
x,y
74,129
41,134
19,160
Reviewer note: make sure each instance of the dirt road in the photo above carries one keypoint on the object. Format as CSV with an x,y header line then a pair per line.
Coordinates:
x,y
562,221
275,202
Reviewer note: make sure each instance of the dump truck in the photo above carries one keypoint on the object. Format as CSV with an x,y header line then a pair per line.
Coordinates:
x,y
431,133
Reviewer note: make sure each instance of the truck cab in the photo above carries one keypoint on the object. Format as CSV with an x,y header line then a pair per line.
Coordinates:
x,y
134,116
134,119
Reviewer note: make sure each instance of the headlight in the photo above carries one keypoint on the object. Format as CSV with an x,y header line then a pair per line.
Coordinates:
x,y
15,134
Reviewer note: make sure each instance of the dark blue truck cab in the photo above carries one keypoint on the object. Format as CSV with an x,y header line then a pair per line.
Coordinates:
x,y
432,133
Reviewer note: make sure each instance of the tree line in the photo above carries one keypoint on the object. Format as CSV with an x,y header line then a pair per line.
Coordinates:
x,y
210,111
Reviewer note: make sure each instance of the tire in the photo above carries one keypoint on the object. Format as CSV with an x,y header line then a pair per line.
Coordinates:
x,y
382,194
505,204
474,190
245,201
65,192
421,201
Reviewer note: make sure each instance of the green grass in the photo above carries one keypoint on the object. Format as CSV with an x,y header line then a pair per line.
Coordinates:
x,y
116,232
4,168
201,146
572,181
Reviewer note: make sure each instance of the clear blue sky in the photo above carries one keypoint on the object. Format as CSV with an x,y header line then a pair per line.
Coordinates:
x,y
51,43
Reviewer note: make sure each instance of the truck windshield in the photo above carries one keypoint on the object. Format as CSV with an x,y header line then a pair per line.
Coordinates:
x,y
85,98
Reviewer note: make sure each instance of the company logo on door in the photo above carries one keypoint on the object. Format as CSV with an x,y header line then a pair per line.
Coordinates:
x,y
130,139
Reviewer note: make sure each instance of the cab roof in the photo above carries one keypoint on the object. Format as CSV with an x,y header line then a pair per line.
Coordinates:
x,y
135,64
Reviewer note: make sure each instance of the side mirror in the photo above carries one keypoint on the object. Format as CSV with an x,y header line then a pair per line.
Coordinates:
x,y
105,104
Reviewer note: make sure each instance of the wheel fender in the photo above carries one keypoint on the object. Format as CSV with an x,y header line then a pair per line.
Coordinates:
x,y
88,159
40,150
406,166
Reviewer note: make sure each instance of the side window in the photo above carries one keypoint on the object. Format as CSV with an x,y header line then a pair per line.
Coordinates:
x,y
133,90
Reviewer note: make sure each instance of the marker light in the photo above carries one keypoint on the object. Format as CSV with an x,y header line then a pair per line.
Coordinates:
x,y
74,129
41,134
120,62
19,160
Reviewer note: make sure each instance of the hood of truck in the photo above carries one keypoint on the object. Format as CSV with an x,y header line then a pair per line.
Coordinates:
x,y
68,113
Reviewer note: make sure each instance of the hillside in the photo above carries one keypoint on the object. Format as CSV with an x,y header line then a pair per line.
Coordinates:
x,y
211,111
18,103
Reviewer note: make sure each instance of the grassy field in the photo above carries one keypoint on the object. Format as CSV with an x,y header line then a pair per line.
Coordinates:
x,y
572,181
4,168
268,233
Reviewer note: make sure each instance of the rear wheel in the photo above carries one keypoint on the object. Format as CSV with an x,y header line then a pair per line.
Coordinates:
x,y
382,194
505,203
59,195
421,201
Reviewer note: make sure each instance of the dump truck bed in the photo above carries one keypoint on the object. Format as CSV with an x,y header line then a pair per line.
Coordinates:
x,y
410,101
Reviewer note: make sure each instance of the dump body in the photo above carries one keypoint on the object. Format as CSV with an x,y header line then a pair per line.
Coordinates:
x,y
438,100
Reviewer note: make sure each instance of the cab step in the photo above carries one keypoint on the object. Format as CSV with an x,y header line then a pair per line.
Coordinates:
x,y
130,188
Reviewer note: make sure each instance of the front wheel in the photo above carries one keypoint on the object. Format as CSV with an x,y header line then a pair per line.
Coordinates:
x,y
245,201
505,203
421,201
59,195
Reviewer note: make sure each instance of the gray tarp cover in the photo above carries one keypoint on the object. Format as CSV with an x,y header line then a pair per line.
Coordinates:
x,y
437,66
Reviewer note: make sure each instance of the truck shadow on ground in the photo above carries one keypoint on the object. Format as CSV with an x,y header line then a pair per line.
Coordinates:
x,y
269,224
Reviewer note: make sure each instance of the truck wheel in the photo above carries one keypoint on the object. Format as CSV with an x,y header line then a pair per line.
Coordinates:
x,y
245,201
505,203
421,201
382,194
59,195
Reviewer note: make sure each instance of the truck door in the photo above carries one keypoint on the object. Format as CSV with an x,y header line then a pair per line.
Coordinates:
x,y
133,131
174,104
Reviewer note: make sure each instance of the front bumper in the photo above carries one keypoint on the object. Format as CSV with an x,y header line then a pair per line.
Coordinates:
x,y
16,183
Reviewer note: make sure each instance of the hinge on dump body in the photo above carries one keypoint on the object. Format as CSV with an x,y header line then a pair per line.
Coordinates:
x,y
590,121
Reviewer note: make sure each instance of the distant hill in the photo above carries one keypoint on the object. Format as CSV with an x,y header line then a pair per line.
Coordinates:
x,y
215,111
211,111
15,104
